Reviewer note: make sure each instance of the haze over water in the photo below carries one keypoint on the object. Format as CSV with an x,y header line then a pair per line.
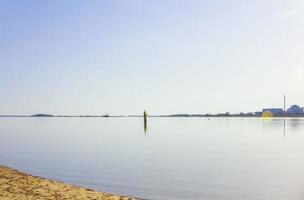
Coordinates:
x,y
177,158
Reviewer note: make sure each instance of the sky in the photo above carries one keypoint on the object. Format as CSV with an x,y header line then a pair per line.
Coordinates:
x,y
163,56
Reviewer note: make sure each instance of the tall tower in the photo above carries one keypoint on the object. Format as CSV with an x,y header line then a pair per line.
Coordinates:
x,y
284,104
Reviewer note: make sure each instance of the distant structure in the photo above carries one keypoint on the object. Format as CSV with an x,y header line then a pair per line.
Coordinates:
x,y
258,114
274,111
294,110
145,121
284,103
42,115
106,115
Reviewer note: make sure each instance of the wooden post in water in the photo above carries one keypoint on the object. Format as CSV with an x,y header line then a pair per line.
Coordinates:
x,y
145,121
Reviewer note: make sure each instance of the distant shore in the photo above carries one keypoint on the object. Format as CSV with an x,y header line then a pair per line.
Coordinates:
x,y
15,185
164,116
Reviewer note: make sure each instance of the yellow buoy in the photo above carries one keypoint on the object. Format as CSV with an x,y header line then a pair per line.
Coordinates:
x,y
267,114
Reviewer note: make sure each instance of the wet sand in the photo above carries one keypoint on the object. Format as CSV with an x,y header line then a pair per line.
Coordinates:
x,y
15,185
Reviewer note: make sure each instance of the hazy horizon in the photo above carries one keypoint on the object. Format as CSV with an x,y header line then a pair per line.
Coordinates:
x,y
96,57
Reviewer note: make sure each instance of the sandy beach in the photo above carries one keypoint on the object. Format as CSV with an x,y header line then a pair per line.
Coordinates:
x,y
15,185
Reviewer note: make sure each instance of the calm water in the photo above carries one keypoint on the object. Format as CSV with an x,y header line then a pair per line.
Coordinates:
x,y
177,158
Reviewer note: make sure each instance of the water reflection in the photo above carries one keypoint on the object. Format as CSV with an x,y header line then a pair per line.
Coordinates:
x,y
145,125
221,158
284,129
294,123
284,123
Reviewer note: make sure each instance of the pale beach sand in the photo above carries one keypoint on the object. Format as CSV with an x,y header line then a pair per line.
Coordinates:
x,y
15,185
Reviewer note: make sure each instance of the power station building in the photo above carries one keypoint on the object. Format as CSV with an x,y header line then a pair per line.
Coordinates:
x,y
294,110
274,111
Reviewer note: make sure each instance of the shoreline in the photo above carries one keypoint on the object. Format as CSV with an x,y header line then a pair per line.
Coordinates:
x,y
16,185
154,116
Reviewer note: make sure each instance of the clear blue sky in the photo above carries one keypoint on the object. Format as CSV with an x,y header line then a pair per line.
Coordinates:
x,y
165,56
